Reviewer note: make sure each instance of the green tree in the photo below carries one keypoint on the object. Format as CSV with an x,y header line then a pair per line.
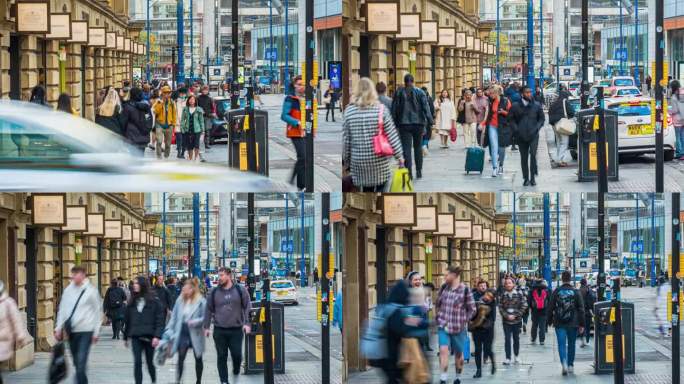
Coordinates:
x,y
504,47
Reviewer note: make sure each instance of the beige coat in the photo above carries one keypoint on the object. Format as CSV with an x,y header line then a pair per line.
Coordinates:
x,y
13,333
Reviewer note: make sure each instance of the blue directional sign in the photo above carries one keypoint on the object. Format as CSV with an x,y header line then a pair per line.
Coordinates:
x,y
637,246
286,246
271,54
234,253
621,54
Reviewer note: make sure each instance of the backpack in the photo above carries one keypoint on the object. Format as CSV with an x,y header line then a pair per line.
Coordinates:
x,y
374,339
148,121
539,301
565,305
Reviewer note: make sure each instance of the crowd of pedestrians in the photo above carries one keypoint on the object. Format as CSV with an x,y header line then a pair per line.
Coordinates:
x,y
497,117
156,318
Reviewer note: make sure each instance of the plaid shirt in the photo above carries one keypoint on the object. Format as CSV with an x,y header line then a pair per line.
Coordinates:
x,y
455,307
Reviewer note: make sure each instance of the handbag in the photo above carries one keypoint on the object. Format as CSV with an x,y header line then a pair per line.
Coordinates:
x,y
401,181
66,328
381,145
453,134
565,126
58,365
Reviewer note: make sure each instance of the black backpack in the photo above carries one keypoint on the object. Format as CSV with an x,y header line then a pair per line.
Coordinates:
x,y
564,310
148,121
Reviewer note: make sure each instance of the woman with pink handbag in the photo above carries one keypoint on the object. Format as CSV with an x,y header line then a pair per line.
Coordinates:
x,y
370,140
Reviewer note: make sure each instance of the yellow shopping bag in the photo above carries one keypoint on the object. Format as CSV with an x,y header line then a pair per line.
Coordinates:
x,y
401,181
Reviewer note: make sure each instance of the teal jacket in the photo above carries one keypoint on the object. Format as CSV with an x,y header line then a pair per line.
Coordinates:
x,y
197,123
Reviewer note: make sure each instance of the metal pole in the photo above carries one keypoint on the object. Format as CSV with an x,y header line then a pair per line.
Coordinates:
x,y
251,133
267,331
287,51
326,291
163,232
148,40
601,245
547,237
676,288
601,142
302,243
287,234
622,43
515,237
180,72
557,70
530,45
206,64
638,256
653,235
659,94
498,41
574,257
619,365
270,28
310,93
206,211
234,85
584,97
192,42
558,235
196,234
541,46
251,283
636,43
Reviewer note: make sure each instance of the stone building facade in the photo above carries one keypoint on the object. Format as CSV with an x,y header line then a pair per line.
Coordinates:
x,y
368,272
35,261
27,60
383,58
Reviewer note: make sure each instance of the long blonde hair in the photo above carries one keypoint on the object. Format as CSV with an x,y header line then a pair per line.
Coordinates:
x,y
110,103
196,294
364,94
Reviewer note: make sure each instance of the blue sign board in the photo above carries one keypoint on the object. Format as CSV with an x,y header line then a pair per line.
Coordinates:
x,y
335,74
621,54
286,246
637,246
271,54
234,254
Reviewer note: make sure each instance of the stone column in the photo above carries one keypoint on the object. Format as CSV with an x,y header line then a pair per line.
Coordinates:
x,y
439,262
108,67
354,58
114,259
105,271
395,254
73,75
450,73
5,63
402,64
68,256
45,308
52,71
378,59
90,83
424,75
29,64
458,72
372,269
100,72
24,356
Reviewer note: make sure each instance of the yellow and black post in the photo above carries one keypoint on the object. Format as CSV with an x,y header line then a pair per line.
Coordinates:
x,y
326,284
616,320
675,305
265,317
310,95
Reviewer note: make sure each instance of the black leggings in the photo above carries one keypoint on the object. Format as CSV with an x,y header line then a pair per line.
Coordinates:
x,y
199,365
117,327
483,346
140,346
299,170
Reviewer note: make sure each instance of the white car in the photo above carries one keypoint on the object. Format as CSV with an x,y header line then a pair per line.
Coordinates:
x,y
636,131
625,92
284,291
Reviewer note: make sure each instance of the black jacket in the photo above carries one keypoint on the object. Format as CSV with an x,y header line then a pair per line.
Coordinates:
x,y
556,109
148,323
114,302
133,122
114,122
410,107
162,294
578,312
531,302
206,103
526,120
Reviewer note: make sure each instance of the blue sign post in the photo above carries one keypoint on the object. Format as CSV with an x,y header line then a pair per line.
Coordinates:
x,y
271,54
637,247
335,74
286,246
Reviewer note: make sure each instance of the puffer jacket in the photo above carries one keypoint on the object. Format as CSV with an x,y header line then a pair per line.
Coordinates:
x,y
411,107
133,122
514,303
677,103
13,332
526,120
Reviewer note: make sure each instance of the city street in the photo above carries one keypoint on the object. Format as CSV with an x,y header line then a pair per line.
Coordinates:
x,y
111,362
444,170
282,156
540,364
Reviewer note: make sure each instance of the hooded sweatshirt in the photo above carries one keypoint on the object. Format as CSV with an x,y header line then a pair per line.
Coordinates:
x,y
677,103
88,314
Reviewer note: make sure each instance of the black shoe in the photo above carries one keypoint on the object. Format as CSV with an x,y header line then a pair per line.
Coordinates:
x,y
533,183
236,371
206,146
477,374
524,328
179,156
419,174
457,381
442,382
493,367
541,343
526,183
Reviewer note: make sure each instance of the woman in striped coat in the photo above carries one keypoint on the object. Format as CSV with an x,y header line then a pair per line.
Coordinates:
x,y
369,171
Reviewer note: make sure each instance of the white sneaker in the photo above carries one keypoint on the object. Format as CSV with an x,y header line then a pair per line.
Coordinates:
x,y
564,369
507,362
571,369
583,344
516,360
494,172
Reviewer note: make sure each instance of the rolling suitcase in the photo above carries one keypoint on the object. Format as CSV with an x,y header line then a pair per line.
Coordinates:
x,y
474,160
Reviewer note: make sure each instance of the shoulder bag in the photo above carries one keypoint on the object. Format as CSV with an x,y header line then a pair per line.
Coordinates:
x,y
381,145
565,126
67,324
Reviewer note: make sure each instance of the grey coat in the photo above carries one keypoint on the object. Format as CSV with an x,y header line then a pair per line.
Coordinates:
x,y
173,328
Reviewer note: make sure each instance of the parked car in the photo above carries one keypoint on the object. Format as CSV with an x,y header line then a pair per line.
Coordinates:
x,y
284,291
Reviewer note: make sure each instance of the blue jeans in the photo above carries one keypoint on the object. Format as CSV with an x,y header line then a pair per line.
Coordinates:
x,y
566,337
679,146
79,344
493,137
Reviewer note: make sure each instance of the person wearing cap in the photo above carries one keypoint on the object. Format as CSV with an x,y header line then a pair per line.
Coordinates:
x,y
165,121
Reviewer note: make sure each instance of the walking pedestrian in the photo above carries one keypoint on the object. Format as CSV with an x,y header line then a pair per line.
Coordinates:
x,y
423,304
445,119
481,103
566,313
329,99
381,89
163,295
205,102
512,305
137,120
527,118
13,332
78,319
538,302
427,135
470,118
411,113
561,109
660,309
648,81
228,308
171,289
363,119
589,298
525,290
64,104
115,307
165,113
38,96
181,103
496,132
109,113
291,115
454,307
677,113
482,326
192,126
184,329
145,317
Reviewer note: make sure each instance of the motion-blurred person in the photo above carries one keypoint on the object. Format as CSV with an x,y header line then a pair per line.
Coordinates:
x,y
162,294
185,328
527,118
427,135
482,326
660,309
291,115
421,304
165,115
192,126
13,333
114,305
78,319
137,120
38,96
145,318
64,104
521,285
109,113
381,89
470,119
677,112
